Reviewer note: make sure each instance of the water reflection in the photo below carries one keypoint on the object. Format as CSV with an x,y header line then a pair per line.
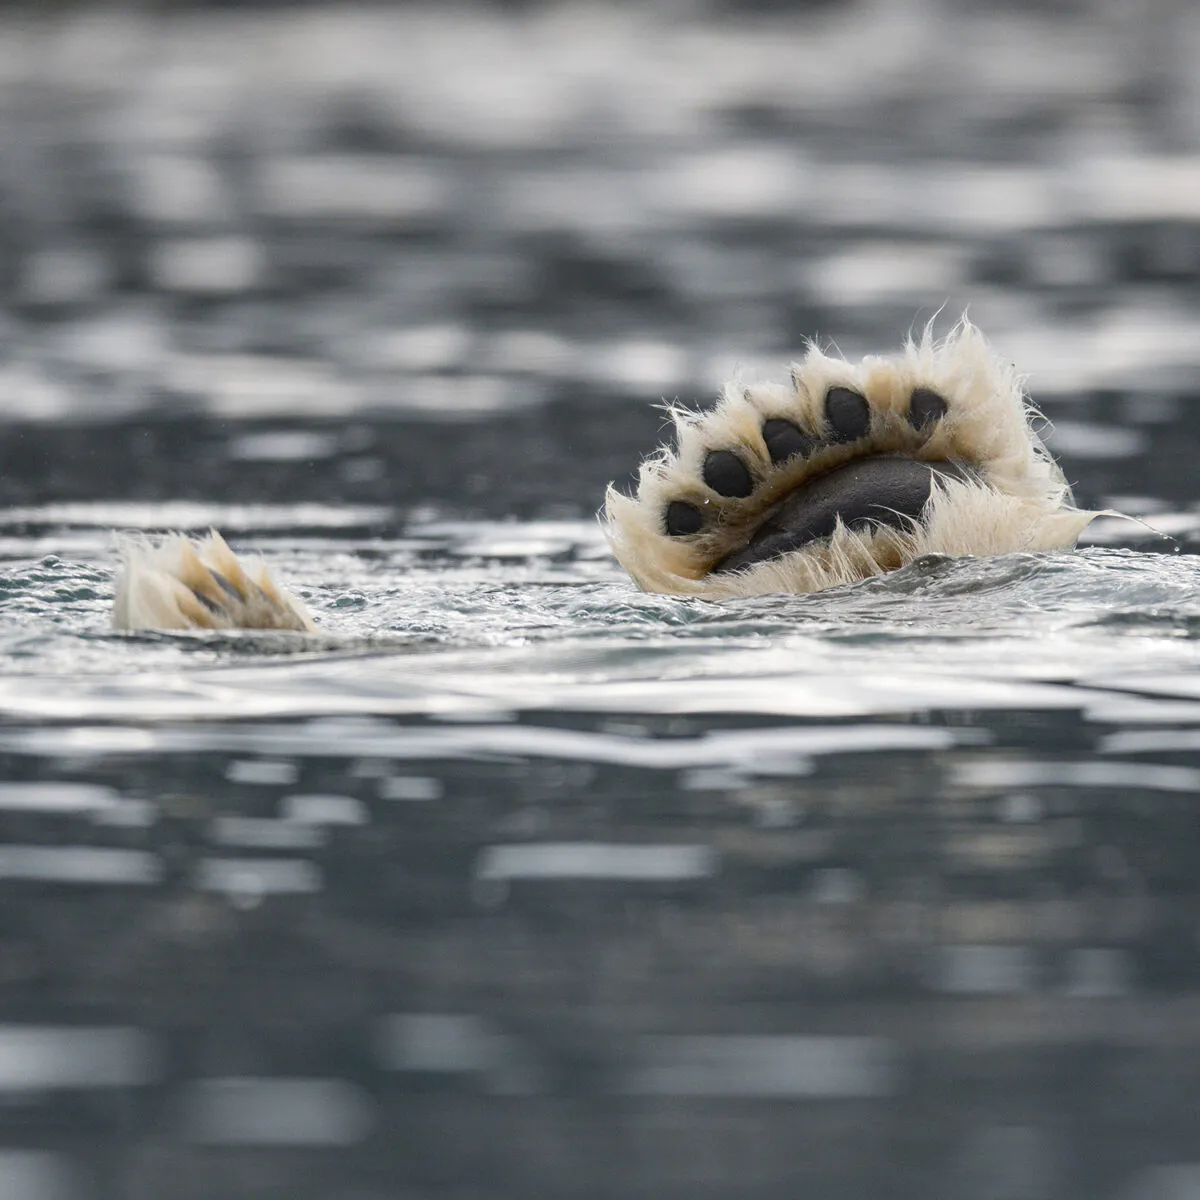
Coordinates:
x,y
795,1067
37,1175
79,864
44,1058
274,1112
595,860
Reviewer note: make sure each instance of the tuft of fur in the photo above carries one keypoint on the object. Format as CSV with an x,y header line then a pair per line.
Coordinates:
x,y
180,582
1019,500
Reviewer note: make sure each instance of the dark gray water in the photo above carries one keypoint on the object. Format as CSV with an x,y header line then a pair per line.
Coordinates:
x,y
517,882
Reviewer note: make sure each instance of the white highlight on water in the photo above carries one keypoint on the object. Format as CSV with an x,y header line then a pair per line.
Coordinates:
x,y
596,860
249,1111
49,1057
768,1066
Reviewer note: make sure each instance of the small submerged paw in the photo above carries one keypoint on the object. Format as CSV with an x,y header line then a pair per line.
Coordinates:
x,y
851,471
180,583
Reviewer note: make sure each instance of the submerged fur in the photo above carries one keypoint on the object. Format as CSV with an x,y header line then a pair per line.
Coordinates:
x,y
1016,500
185,583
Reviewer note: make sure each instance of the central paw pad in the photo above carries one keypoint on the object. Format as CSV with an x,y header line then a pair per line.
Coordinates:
x,y
843,475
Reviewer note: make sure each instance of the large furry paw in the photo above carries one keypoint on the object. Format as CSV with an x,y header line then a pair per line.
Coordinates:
x,y
181,583
850,471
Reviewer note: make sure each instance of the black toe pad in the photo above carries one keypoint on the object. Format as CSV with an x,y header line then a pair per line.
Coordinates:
x,y
925,407
784,440
848,413
727,475
683,518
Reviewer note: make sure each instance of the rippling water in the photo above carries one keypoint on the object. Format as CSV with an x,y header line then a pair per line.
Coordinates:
x,y
516,881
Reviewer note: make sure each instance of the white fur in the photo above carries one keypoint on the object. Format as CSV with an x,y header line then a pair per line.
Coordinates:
x,y
159,586
1019,500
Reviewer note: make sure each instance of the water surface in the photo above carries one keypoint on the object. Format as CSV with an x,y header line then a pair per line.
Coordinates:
x,y
515,881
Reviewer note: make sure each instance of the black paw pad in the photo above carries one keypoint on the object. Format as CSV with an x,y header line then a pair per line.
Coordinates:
x,y
925,407
783,440
848,413
683,518
726,474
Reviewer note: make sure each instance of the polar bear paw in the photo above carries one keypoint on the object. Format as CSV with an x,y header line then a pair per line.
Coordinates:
x,y
185,583
848,471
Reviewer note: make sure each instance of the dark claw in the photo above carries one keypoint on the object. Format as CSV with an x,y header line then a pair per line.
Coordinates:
x,y
226,586
727,475
783,440
848,413
925,407
211,605
683,518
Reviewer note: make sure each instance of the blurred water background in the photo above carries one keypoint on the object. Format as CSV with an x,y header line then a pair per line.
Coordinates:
x,y
517,882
